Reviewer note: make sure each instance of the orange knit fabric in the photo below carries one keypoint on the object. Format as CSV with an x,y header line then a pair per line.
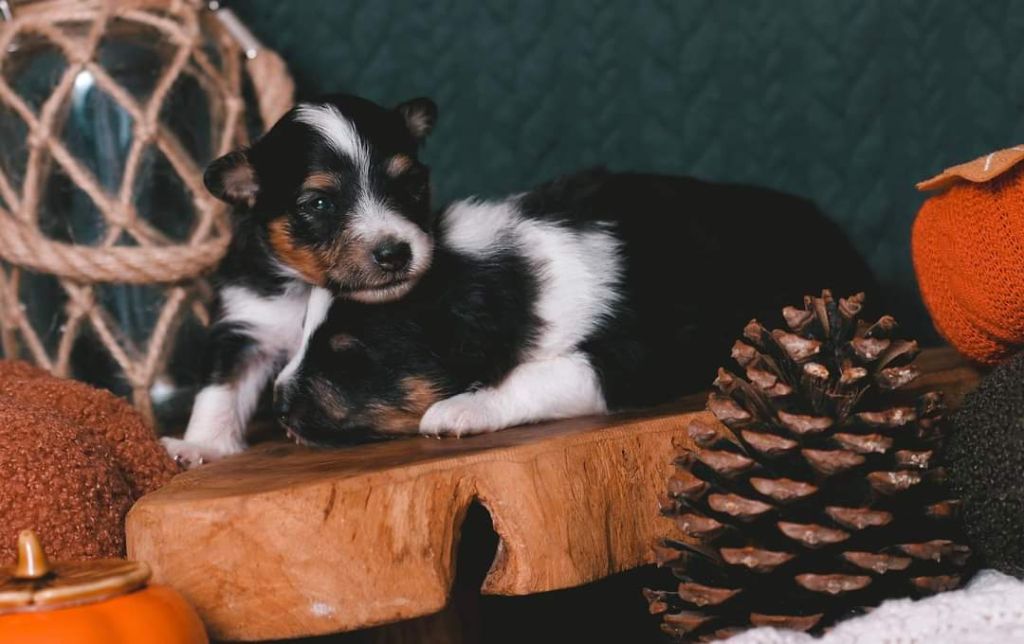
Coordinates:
x,y
968,250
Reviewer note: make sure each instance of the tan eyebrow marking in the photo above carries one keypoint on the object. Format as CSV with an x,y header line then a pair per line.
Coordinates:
x,y
320,181
398,164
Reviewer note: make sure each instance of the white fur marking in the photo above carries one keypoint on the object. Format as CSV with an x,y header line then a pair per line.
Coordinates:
x,y
478,227
214,424
336,129
561,387
578,272
250,385
219,415
373,222
579,275
318,305
222,411
274,323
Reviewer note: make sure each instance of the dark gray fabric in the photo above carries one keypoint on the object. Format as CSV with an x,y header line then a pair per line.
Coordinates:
x,y
848,102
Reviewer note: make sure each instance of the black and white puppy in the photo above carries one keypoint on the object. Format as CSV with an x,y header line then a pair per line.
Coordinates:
x,y
332,196
596,292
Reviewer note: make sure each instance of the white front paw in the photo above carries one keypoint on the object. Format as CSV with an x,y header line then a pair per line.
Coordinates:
x,y
189,454
468,413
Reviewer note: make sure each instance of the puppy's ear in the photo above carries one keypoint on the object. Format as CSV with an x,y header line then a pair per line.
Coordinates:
x,y
232,178
420,114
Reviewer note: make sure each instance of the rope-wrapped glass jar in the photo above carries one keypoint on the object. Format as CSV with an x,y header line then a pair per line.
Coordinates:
x,y
109,110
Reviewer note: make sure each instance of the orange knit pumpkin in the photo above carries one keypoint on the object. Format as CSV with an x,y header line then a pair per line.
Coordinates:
x,y
968,251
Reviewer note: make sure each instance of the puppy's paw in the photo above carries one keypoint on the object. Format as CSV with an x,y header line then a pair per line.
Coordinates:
x,y
461,415
188,454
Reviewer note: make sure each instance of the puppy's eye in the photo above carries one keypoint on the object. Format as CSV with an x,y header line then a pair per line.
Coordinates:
x,y
316,206
321,205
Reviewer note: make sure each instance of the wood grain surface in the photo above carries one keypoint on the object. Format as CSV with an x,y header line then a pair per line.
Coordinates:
x,y
284,541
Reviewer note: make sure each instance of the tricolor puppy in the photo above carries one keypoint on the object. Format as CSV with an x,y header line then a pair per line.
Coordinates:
x,y
596,292
332,196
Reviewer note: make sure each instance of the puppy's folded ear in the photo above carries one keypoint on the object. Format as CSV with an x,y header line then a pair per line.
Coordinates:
x,y
232,178
420,114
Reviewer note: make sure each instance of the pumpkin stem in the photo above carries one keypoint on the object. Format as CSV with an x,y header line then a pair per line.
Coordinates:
x,y
32,563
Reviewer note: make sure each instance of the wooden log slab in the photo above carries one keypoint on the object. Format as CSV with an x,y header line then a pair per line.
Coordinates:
x,y
284,541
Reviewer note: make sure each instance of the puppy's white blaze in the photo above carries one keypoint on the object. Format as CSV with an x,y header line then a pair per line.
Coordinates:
x,y
336,129
373,222
561,387
578,273
317,306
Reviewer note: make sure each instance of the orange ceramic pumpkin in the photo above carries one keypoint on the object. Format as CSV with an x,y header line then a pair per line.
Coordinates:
x,y
95,602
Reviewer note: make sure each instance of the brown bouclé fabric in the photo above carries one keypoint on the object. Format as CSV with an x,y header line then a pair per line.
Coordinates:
x,y
74,459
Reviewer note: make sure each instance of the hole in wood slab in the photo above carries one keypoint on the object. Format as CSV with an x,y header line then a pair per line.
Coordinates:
x,y
464,619
475,548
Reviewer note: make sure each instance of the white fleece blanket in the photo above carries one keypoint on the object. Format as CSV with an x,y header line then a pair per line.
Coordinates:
x,y
990,610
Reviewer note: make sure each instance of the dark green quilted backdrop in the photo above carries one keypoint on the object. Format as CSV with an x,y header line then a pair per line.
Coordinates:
x,y
848,102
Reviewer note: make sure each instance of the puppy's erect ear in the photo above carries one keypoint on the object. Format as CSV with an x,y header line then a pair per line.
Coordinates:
x,y
420,114
232,178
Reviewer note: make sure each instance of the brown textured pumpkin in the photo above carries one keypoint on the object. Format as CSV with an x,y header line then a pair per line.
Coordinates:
x,y
74,459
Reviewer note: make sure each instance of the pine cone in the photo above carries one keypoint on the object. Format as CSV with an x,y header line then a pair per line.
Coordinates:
x,y
824,497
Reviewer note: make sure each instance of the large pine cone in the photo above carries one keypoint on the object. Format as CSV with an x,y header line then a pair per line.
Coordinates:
x,y
824,498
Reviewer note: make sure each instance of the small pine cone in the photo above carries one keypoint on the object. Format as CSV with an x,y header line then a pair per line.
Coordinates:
x,y
823,497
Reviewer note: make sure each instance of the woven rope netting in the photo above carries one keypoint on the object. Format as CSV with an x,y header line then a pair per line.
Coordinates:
x,y
129,249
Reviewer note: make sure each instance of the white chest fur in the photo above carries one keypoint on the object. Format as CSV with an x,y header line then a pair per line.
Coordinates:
x,y
274,323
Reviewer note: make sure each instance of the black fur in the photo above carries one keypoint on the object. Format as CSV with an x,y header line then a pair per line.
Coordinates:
x,y
464,325
279,162
333,196
701,259
282,159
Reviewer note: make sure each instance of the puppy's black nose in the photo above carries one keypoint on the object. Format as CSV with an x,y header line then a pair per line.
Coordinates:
x,y
392,255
